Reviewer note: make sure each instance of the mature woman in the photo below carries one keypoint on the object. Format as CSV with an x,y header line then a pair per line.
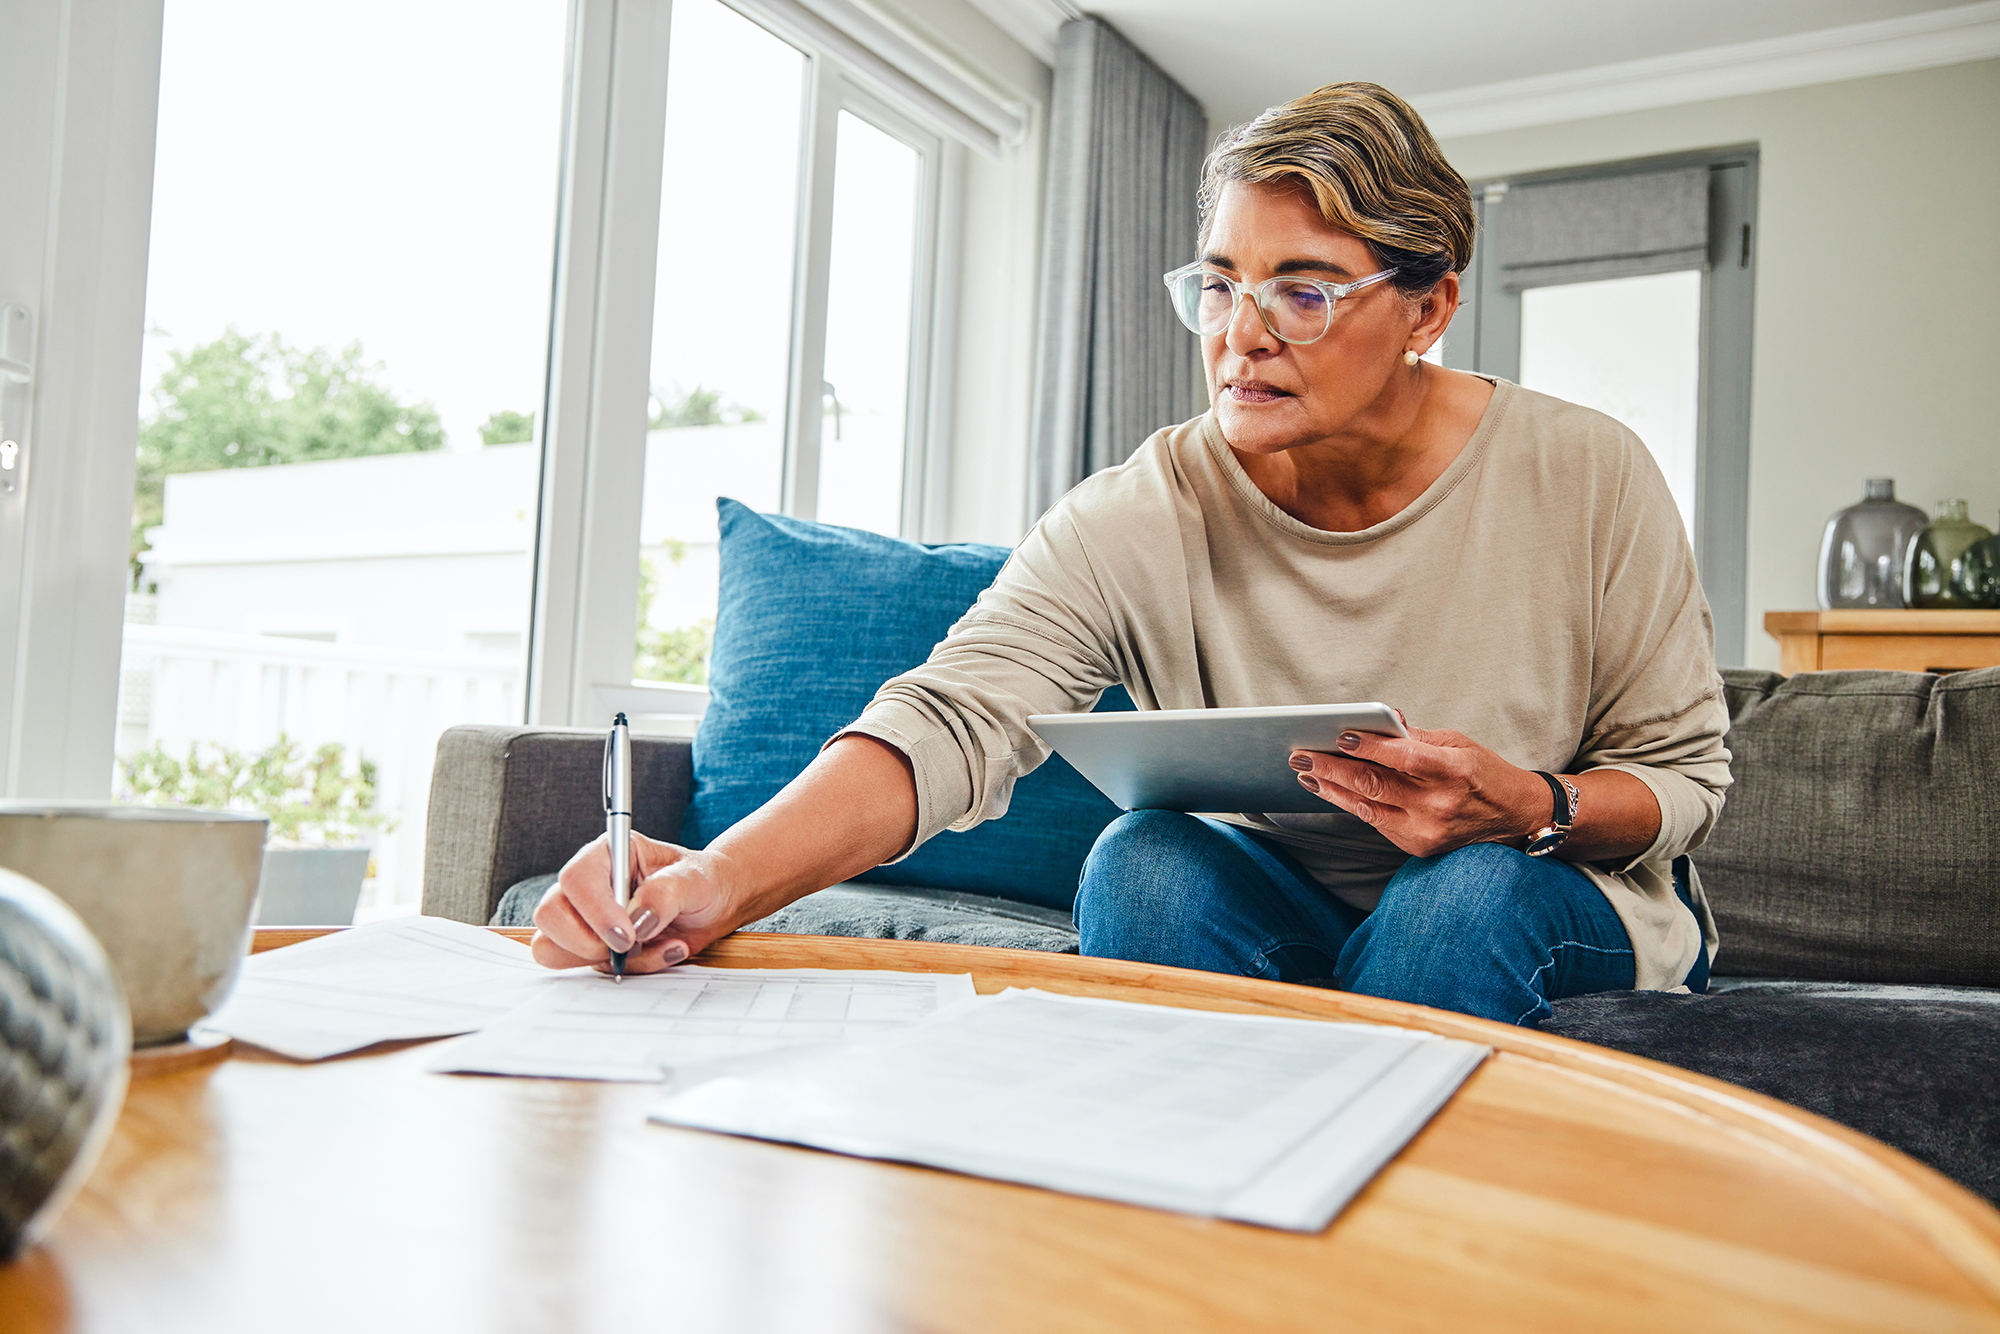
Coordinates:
x,y
1347,522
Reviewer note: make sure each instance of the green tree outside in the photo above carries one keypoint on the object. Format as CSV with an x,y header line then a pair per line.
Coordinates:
x,y
508,428
251,400
669,655
669,409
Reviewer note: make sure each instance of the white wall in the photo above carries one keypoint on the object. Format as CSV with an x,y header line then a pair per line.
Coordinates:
x,y
1877,347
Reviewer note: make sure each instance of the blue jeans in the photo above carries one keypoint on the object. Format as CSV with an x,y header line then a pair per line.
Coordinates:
x,y
1485,930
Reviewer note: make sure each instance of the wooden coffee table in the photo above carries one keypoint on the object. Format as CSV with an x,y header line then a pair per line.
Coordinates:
x,y
1566,1187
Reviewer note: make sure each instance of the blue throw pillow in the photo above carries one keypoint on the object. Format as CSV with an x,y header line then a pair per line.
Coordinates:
x,y
812,620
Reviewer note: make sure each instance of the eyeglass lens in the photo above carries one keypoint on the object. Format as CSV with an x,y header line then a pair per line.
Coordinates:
x,y
1295,311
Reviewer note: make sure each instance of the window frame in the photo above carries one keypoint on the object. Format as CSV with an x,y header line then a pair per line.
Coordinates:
x,y
1485,336
61,626
585,619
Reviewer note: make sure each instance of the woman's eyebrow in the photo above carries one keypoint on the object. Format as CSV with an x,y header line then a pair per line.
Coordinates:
x,y
1216,261
1312,266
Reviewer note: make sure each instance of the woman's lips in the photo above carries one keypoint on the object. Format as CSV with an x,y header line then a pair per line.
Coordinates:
x,y
1256,393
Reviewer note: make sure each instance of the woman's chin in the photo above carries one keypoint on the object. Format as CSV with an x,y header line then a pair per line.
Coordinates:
x,y
1260,428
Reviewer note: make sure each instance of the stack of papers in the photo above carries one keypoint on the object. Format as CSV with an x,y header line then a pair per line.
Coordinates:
x,y
685,1021
1249,1117
410,977
1264,1120
425,977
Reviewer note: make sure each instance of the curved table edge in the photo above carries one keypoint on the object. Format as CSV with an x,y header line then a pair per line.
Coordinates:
x,y
1963,1227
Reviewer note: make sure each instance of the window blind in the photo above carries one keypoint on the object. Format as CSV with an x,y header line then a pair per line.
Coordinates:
x,y
1608,227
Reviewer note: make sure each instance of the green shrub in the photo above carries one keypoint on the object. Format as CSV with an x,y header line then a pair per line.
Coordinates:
x,y
311,799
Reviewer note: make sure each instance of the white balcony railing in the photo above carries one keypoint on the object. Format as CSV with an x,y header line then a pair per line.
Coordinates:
x,y
183,686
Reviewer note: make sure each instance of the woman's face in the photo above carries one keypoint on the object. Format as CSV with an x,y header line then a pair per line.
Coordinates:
x,y
1271,395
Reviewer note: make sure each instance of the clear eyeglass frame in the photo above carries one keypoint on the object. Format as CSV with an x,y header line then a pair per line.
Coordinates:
x,y
1262,295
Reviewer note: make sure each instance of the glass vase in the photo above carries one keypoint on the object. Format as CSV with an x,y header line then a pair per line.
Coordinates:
x,y
1936,574
1861,555
1980,573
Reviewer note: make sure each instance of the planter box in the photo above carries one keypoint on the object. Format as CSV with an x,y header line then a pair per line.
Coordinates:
x,y
311,886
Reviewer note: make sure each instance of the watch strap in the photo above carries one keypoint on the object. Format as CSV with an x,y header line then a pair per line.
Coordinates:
x,y
1564,812
1552,836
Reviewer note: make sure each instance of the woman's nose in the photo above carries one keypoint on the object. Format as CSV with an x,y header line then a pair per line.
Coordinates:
x,y
1247,332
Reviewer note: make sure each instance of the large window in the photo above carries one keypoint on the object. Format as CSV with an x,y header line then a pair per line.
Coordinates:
x,y
347,315
455,333
794,280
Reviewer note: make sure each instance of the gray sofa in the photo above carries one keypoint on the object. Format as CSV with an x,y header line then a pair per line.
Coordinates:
x,y
1855,876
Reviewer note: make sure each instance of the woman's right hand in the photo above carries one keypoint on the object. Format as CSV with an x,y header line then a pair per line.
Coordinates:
x,y
679,903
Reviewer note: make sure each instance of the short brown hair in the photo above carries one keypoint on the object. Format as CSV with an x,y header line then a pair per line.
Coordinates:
x,y
1371,165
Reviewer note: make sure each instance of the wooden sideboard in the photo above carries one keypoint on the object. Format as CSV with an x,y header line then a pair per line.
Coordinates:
x,y
1901,641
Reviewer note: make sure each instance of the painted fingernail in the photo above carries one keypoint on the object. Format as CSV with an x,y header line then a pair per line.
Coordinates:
x,y
1349,741
618,938
647,924
1311,783
1302,761
674,954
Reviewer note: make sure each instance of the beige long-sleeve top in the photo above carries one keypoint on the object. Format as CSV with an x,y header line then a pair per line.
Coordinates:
x,y
1539,597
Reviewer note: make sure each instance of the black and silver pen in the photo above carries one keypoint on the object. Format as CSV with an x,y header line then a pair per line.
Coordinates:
x,y
618,821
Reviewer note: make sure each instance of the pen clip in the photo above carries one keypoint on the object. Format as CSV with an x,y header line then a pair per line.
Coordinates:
x,y
609,739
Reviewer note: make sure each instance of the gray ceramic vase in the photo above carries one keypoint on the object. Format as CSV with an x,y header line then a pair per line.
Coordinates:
x,y
64,1040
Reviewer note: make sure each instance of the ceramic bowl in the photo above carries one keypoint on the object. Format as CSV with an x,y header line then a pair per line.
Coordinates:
x,y
168,893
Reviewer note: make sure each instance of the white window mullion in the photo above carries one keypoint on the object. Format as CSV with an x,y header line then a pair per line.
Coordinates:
x,y
804,411
586,576
80,110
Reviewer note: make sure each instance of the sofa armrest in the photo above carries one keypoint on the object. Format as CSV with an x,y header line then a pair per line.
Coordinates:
x,y
511,802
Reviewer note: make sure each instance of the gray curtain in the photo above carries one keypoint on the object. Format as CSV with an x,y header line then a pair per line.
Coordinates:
x,y
1607,227
1113,364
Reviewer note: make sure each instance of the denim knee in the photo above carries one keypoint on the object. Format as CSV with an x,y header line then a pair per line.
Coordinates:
x,y
1120,875
1478,882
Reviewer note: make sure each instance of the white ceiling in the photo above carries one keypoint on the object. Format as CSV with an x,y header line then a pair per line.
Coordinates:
x,y
1240,56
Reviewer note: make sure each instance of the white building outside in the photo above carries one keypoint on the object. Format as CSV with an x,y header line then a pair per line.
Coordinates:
x,y
377,601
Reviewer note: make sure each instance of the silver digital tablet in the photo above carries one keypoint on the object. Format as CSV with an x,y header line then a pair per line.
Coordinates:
x,y
1207,759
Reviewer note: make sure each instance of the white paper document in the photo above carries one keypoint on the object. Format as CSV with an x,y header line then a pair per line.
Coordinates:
x,y
685,1021
409,977
1262,1119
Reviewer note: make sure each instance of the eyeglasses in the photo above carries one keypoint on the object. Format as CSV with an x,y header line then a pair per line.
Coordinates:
x,y
1295,310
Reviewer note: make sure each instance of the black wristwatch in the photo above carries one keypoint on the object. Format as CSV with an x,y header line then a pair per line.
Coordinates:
x,y
1552,835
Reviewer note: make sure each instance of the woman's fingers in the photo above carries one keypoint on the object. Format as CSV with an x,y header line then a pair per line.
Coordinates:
x,y
585,884
559,917
676,908
581,915
551,955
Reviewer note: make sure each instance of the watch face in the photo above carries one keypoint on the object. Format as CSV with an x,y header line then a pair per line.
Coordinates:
x,y
1545,841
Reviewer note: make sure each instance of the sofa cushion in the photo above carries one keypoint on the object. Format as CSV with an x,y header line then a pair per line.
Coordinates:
x,y
1861,841
812,620
902,912
1912,1066
876,912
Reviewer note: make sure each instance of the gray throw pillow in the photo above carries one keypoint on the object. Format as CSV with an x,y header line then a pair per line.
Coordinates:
x,y
1861,841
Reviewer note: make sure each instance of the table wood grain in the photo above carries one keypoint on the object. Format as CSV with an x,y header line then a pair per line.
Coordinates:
x,y
1899,641
1565,1188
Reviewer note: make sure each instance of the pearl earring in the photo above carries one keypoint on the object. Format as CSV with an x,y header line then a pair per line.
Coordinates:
x,y
1410,358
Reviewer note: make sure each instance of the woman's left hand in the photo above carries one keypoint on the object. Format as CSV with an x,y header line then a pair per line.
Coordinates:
x,y
1429,795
